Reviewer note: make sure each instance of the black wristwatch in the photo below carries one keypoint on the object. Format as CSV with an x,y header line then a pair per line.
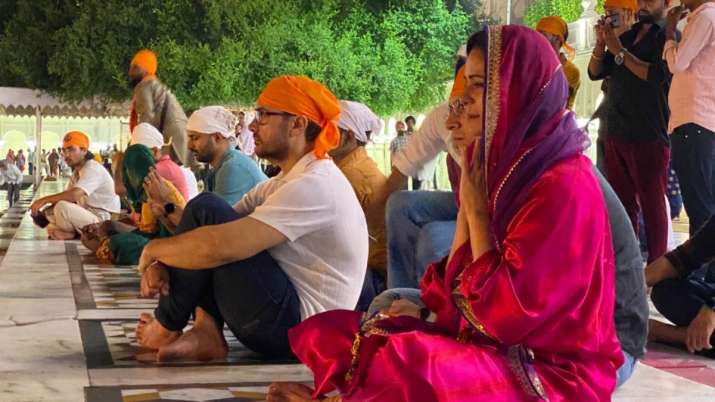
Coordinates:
x,y
169,208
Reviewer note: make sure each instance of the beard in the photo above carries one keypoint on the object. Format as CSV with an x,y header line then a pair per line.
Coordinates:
x,y
132,82
646,17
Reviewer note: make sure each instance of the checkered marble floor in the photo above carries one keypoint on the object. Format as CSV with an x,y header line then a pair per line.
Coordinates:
x,y
67,335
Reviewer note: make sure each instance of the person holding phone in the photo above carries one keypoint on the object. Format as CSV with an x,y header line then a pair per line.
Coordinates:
x,y
637,147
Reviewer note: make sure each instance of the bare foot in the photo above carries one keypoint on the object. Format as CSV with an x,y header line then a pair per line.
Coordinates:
x,y
290,392
152,335
203,342
662,332
57,234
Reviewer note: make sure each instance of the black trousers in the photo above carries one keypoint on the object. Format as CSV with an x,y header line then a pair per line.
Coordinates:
x,y
13,193
680,300
254,297
693,155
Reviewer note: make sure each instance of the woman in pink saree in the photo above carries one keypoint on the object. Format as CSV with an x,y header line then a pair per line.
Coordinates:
x,y
522,309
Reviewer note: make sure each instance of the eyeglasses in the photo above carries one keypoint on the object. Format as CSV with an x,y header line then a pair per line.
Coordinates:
x,y
262,114
457,107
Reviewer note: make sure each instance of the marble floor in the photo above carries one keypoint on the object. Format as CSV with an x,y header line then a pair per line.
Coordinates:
x,y
66,335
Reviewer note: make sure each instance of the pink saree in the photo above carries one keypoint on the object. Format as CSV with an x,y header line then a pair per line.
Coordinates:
x,y
531,319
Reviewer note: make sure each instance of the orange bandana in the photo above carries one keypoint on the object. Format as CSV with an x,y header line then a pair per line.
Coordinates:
x,y
624,4
460,83
302,96
556,26
77,138
146,59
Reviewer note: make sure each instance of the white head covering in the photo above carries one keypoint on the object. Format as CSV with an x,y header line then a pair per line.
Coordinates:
x,y
359,119
148,135
213,119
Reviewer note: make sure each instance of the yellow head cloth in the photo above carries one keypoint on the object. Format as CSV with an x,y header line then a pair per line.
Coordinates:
x,y
303,96
625,4
77,138
460,83
556,26
146,59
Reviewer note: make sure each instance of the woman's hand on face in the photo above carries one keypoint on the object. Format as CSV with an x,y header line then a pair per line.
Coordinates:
x,y
155,188
472,191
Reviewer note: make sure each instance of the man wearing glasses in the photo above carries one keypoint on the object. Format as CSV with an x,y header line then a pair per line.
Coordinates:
x,y
294,246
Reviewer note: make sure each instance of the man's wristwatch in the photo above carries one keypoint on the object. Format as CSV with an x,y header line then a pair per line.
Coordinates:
x,y
620,57
169,208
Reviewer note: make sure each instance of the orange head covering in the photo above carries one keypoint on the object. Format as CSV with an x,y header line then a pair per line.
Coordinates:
x,y
460,83
146,59
556,26
77,138
302,96
625,4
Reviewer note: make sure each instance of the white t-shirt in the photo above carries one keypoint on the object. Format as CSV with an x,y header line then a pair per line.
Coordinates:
x,y
416,158
98,184
325,256
191,185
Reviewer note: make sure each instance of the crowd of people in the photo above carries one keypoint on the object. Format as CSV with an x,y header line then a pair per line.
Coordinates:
x,y
525,282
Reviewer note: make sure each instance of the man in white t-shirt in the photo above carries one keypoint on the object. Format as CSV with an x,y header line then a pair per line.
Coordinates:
x,y
294,246
89,198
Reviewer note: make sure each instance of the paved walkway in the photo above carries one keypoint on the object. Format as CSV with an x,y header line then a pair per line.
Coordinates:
x,y
67,335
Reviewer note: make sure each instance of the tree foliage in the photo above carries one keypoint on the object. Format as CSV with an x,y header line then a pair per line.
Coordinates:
x,y
393,55
569,10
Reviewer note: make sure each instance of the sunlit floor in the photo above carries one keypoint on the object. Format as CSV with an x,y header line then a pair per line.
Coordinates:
x,y
66,334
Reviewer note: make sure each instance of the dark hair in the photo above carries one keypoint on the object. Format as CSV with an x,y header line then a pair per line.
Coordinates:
x,y
408,118
312,131
478,40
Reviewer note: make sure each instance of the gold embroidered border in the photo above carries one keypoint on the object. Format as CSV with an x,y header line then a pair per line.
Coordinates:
x,y
368,329
497,193
493,95
463,305
530,384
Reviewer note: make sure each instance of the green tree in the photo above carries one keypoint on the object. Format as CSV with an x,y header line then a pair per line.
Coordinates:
x,y
569,10
393,55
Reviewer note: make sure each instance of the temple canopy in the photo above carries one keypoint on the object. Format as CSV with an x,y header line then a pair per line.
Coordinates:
x,y
26,102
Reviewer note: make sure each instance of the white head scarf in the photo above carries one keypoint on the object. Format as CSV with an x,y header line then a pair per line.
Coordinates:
x,y
148,135
359,119
213,119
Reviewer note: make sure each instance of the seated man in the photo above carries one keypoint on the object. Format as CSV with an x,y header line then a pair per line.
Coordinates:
x,y
89,197
356,124
145,134
232,175
420,224
294,246
682,295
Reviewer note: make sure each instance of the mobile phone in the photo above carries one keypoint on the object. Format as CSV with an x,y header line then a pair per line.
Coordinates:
x,y
615,20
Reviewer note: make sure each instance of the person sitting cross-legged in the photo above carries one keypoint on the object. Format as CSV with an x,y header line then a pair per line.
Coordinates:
x,y
89,198
356,124
294,246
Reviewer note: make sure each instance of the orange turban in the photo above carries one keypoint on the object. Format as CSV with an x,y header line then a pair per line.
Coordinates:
x,y
146,59
460,83
625,4
302,96
556,26
77,138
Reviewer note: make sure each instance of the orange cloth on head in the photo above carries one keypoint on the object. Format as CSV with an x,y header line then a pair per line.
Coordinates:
x,y
460,83
556,26
146,59
625,4
77,138
302,96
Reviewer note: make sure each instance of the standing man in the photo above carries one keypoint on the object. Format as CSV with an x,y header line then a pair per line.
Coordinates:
x,y
637,146
692,106
398,143
89,197
556,31
11,175
154,103
54,159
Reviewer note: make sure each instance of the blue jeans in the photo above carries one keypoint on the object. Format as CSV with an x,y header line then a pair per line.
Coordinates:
x,y
420,229
626,370
254,296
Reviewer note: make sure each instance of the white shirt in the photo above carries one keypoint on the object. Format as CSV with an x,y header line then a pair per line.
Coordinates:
x,y
191,185
326,253
426,144
10,175
98,184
